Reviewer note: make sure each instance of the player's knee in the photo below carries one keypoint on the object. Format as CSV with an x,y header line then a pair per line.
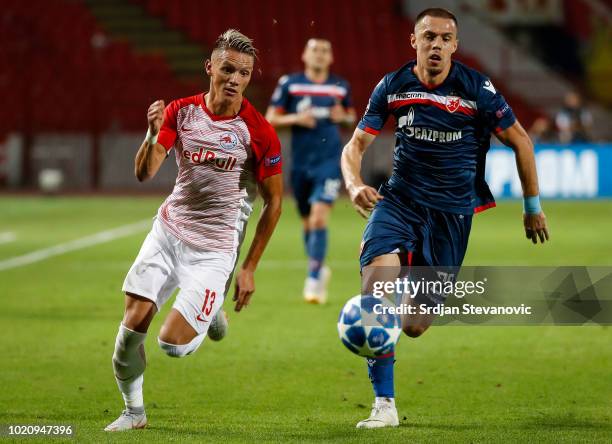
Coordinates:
x,y
414,331
317,222
129,356
175,350
175,330
172,350
139,312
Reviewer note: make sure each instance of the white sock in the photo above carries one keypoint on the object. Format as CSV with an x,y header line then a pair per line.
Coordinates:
x,y
129,364
132,394
385,400
181,350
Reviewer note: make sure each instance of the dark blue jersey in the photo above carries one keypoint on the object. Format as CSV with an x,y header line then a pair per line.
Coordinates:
x,y
296,93
442,135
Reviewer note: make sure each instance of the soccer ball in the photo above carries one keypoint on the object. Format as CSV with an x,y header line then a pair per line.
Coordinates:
x,y
365,332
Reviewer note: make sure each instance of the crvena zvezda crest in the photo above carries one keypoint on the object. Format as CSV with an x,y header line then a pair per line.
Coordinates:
x,y
452,103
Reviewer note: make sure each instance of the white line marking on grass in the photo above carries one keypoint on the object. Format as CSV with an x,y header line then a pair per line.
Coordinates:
x,y
7,236
77,244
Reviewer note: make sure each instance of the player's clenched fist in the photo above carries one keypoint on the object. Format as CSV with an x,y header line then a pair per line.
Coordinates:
x,y
364,198
155,116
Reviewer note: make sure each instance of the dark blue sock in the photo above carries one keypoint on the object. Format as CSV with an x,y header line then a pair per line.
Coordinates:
x,y
380,371
317,248
306,237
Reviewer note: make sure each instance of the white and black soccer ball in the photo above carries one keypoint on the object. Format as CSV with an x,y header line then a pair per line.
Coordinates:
x,y
364,331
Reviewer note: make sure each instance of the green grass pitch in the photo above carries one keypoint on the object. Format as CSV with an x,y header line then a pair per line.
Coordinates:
x,y
282,374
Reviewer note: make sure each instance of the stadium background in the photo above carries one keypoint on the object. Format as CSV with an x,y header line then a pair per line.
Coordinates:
x,y
79,75
76,80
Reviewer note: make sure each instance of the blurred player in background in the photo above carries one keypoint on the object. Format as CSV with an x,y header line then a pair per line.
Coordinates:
x,y
445,114
574,121
224,149
314,103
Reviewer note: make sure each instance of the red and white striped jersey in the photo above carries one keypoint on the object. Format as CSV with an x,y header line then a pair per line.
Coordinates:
x,y
219,159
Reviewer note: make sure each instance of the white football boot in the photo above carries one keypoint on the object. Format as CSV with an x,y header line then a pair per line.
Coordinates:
x,y
311,288
315,290
127,421
384,414
218,326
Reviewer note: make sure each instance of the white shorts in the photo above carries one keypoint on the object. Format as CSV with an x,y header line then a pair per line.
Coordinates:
x,y
165,263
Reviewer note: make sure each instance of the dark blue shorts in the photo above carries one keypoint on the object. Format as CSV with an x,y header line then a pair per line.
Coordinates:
x,y
399,225
318,184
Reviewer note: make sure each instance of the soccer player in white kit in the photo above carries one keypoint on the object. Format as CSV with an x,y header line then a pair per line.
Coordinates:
x,y
225,150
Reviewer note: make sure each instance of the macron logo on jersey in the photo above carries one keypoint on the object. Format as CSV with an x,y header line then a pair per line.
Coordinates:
x,y
489,87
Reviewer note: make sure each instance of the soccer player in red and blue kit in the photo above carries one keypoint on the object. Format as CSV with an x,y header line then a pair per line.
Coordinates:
x,y
445,113
314,103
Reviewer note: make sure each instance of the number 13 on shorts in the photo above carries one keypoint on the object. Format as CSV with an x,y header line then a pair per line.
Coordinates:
x,y
199,306
207,306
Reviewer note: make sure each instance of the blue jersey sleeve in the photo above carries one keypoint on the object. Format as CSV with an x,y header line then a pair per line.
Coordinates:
x,y
493,108
376,112
280,97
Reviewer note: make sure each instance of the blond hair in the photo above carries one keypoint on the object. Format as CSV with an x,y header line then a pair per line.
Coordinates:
x,y
234,39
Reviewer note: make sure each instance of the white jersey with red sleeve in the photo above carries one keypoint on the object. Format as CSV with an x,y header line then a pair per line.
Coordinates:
x,y
220,160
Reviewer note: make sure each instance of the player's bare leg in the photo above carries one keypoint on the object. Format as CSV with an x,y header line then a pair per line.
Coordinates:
x,y
129,361
177,337
384,413
309,284
315,286
414,325
387,269
380,370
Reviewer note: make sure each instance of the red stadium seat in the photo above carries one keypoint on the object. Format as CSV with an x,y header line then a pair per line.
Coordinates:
x,y
56,45
56,67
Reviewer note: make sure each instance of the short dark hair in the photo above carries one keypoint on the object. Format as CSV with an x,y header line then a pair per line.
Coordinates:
x,y
233,39
436,12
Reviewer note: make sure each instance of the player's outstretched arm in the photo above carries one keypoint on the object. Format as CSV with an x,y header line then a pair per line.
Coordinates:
x,y
363,196
278,119
151,154
272,192
534,219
